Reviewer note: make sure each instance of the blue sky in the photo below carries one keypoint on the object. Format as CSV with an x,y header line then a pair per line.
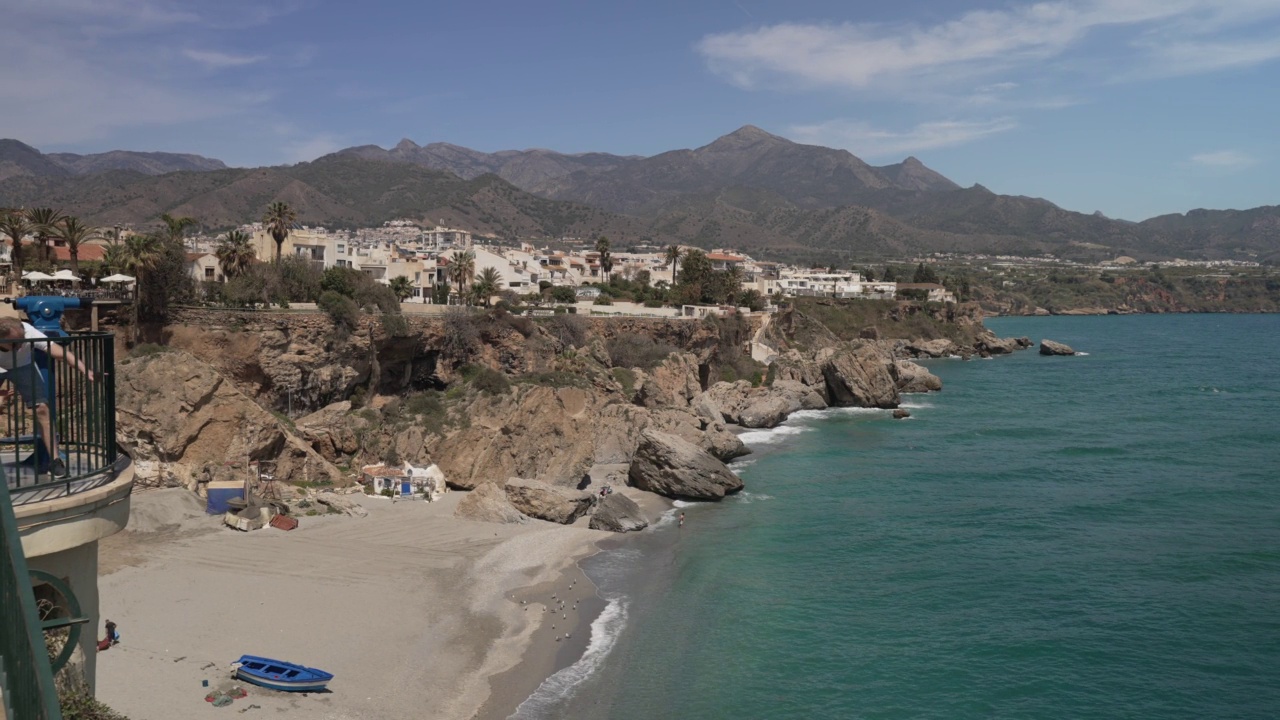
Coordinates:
x,y
1131,107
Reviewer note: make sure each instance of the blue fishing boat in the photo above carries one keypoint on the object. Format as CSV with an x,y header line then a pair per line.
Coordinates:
x,y
281,675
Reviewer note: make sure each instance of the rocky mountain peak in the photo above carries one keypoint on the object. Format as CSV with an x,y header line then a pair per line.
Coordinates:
x,y
406,145
745,136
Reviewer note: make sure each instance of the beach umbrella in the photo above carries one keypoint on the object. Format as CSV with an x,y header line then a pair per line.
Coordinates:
x,y
36,276
117,278
66,275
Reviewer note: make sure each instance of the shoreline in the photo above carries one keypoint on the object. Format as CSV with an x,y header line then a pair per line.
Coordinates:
x,y
409,607
417,613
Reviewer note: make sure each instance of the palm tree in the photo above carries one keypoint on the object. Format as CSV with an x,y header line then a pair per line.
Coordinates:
x,y
15,225
606,262
402,286
73,232
462,269
235,253
43,221
114,259
488,282
141,255
176,227
673,257
279,221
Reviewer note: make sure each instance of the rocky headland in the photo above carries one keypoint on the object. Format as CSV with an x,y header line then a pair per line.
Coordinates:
x,y
528,419
545,411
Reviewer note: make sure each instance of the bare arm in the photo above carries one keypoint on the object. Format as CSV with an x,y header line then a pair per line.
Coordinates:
x,y
65,355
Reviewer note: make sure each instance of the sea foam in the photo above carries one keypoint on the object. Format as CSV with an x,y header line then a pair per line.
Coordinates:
x,y
604,635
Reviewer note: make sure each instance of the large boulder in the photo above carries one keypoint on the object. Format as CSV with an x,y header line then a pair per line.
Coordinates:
x,y
672,383
859,376
341,503
1049,347
762,407
793,366
538,432
489,503
329,431
998,346
676,468
728,397
710,435
931,348
544,501
808,397
912,378
618,513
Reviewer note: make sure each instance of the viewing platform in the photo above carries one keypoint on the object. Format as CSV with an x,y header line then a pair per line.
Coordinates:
x,y
68,484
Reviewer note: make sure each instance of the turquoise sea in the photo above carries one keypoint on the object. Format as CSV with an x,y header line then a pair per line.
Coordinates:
x,y
1090,536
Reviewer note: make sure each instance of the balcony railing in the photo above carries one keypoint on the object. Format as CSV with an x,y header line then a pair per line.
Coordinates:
x,y
52,410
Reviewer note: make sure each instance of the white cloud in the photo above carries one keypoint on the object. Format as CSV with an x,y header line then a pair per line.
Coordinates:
x,y
979,43
1224,160
214,60
862,139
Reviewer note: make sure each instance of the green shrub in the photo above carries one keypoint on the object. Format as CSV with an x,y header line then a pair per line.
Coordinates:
x,y
603,300
486,380
423,403
640,351
461,334
558,379
147,350
395,325
340,309
626,379
564,294
570,330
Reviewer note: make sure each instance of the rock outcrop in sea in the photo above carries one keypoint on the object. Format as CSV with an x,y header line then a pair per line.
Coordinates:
x,y
674,467
1049,347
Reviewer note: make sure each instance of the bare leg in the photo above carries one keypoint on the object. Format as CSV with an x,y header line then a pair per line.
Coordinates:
x,y
46,430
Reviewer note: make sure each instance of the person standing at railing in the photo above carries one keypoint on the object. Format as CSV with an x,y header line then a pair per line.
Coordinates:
x,y
26,379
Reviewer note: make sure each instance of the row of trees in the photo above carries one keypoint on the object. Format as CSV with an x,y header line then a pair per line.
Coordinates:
x,y
47,226
696,282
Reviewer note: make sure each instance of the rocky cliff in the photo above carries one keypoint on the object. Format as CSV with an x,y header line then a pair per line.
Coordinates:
x,y
560,403
182,421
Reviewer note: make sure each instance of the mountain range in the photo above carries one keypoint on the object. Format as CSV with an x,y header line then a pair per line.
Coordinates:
x,y
19,159
749,189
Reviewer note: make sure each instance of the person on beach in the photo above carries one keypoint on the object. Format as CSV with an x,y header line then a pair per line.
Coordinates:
x,y
26,379
681,519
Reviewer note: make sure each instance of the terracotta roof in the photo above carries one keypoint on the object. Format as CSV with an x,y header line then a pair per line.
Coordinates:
x,y
86,252
722,256
192,257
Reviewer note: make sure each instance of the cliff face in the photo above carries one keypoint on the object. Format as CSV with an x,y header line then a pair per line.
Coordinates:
x,y
490,397
181,420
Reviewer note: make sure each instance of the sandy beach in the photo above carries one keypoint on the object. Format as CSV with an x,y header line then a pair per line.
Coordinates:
x,y
417,613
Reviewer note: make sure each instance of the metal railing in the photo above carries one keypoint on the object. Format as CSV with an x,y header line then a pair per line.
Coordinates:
x,y
58,415
29,692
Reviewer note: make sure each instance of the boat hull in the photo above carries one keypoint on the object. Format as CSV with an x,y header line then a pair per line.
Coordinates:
x,y
282,686
280,675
